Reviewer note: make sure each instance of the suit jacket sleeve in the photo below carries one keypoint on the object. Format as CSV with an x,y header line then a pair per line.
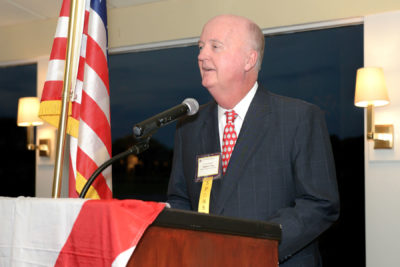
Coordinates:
x,y
178,196
316,202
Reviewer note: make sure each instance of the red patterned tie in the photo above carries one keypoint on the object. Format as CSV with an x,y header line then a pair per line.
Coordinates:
x,y
229,138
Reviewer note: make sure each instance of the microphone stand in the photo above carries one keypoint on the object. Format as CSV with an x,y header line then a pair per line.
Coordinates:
x,y
138,148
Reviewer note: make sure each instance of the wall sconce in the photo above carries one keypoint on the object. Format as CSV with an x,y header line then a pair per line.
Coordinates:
x,y
28,110
371,91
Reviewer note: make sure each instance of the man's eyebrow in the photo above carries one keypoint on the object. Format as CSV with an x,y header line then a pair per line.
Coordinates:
x,y
216,41
210,41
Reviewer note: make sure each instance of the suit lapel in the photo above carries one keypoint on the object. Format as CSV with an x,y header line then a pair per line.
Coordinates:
x,y
209,138
209,132
253,130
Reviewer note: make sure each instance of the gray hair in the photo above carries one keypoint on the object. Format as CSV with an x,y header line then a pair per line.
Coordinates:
x,y
258,42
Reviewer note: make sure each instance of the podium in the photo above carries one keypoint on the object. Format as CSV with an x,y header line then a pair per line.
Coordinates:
x,y
184,238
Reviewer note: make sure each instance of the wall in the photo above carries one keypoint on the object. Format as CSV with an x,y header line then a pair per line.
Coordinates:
x,y
44,165
177,19
382,168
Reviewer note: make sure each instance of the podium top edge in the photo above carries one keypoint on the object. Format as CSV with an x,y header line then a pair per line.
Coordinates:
x,y
190,220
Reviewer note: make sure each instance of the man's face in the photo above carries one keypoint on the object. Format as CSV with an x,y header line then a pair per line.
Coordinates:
x,y
222,57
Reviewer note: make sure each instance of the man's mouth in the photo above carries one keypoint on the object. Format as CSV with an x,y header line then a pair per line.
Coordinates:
x,y
207,69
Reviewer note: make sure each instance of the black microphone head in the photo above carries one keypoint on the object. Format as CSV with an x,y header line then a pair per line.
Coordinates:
x,y
192,104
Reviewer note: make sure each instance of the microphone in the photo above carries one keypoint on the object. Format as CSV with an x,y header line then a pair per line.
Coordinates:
x,y
189,106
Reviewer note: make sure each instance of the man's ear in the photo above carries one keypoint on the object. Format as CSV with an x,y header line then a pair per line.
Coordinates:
x,y
251,60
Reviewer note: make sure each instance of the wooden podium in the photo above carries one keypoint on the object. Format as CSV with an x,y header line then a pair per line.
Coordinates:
x,y
190,239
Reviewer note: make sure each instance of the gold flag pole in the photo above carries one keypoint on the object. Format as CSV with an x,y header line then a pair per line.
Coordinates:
x,y
75,28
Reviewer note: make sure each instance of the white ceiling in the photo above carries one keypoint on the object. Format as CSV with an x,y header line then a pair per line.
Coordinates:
x,y
22,11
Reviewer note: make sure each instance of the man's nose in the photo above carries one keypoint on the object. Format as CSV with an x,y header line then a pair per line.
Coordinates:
x,y
203,54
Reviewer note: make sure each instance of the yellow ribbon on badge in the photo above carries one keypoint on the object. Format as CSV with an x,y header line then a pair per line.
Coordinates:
x,y
204,201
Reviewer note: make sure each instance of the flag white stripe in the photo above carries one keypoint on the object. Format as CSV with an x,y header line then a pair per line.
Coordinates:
x,y
96,89
78,92
38,242
87,5
55,70
123,258
73,147
97,31
62,27
83,45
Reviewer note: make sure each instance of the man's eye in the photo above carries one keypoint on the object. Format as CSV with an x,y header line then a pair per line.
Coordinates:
x,y
216,46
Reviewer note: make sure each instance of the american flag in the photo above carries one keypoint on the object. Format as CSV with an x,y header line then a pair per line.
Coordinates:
x,y
89,115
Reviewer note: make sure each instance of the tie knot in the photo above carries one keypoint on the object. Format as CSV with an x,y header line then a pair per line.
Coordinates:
x,y
231,115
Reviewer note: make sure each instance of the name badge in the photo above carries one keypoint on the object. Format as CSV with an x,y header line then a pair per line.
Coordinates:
x,y
208,165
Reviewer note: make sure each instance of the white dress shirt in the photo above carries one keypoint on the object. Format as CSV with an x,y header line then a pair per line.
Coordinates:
x,y
241,109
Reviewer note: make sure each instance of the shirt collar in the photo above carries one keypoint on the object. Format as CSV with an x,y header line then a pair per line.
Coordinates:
x,y
241,107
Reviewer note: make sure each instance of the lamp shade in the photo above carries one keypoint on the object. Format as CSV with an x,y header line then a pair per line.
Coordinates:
x,y
370,88
28,110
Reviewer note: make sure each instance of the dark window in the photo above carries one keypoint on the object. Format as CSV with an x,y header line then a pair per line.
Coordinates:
x,y
17,169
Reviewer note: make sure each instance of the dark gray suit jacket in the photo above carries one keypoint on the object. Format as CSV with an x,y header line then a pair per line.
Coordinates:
x,y
281,170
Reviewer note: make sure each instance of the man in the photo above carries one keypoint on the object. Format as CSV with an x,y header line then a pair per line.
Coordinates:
x,y
281,169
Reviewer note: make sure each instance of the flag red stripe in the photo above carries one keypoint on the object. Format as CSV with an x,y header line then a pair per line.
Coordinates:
x,y
86,24
81,69
96,59
52,90
64,12
86,166
106,228
59,49
75,111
